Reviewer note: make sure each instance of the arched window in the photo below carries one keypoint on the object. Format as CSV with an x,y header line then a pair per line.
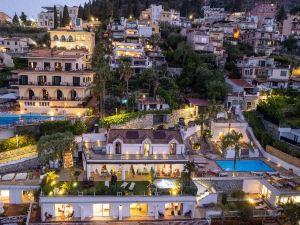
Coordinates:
x,y
59,95
73,95
173,148
55,38
63,38
70,38
118,148
146,149
45,94
30,94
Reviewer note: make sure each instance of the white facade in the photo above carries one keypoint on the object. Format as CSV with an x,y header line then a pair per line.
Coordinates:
x,y
118,208
46,19
14,45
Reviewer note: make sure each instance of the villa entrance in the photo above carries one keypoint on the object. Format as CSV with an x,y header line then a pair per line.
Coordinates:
x,y
146,149
101,210
64,210
138,209
118,148
173,209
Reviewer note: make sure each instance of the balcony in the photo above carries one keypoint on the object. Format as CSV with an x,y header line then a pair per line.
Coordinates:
x,y
47,69
53,84
51,99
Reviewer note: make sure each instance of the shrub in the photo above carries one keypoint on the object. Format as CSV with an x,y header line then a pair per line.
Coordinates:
x,y
11,143
238,194
79,127
51,127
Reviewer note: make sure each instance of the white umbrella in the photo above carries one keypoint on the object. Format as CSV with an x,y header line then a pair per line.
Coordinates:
x,y
9,96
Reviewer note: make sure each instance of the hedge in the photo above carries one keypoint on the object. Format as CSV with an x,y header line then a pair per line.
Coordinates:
x,y
52,127
265,138
11,143
126,117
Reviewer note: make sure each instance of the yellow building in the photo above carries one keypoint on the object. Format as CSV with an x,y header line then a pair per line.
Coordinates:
x,y
55,82
72,39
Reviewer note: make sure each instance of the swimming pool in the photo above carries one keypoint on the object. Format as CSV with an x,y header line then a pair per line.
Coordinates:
x,y
9,119
244,166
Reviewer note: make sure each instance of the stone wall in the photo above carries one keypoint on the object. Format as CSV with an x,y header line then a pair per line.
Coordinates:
x,y
283,156
18,154
147,121
23,166
138,123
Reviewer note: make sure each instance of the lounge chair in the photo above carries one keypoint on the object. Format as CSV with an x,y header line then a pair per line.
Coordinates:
x,y
8,177
131,187
260,174
21,176
262,206
124,185
273,173
224,174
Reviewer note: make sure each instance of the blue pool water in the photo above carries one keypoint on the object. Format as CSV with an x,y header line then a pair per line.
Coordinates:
x,y
8,119
244,166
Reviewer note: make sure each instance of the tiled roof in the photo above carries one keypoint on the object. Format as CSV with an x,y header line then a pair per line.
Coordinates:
x,y
137,136
56,53
198,101
241,83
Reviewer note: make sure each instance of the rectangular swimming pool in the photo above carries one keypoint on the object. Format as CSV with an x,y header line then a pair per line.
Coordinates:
x,y
244,166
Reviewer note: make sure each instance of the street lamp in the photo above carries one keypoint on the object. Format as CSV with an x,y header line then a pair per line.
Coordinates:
x,y
17,137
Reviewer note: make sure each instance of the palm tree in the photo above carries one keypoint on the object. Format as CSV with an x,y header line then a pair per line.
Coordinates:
x,y
292,212
103,74
126,72
233,139
189,167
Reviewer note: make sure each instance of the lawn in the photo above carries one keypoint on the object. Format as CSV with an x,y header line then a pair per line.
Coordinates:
x,y
98,188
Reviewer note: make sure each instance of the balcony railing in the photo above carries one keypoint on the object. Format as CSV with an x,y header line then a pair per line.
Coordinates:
x,y
51,99
47,69
54,84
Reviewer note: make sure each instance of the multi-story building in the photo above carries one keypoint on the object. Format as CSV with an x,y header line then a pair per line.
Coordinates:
x,y
142,149
263,40
212,15
116,30
156,14
131,32
210,40
15,45
264,10
55,82
72,39
133,51
46,18
264,70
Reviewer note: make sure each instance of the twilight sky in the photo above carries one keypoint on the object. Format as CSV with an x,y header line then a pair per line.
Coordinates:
x,y
32,7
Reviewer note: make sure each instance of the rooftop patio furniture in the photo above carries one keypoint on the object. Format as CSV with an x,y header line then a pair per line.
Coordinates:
x,y
224,174
8,177
276,178
131,187
21,176
124,185
286,177
188,214
262,206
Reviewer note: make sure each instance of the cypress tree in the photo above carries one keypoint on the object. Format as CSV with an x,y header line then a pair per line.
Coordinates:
x,y
61,21
15,19
80,12
55,17
23,17
66,17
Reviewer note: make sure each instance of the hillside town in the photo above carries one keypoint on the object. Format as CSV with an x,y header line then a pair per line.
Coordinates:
x,y
151,112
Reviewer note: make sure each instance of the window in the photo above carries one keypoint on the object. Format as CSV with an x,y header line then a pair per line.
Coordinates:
x,y
146,149
16,43
173,149
283,73
101,210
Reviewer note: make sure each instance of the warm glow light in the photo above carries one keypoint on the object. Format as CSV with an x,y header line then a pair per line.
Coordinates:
x,y
50,193
236,33
61,192
75,184
251,200
79,114
53,183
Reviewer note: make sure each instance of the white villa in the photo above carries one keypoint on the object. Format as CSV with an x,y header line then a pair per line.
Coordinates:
x,y
124,150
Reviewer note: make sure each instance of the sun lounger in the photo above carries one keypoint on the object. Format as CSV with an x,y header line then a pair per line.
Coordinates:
x,y
124,185
8,177
131,187
257,173
262,206
21,176
223,174
106,183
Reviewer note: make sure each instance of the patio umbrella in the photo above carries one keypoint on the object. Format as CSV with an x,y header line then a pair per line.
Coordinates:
x,y
9,96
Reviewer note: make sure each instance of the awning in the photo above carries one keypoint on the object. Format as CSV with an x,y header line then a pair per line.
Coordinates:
x,y
9,96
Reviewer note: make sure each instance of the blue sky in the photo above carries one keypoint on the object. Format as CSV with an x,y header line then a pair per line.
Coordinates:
x,y
32,7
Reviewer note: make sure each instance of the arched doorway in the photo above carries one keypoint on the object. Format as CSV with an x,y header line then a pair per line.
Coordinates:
x,y
118,148
30,94
63,38
55,38
146,149
45,94
73,95
59,95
